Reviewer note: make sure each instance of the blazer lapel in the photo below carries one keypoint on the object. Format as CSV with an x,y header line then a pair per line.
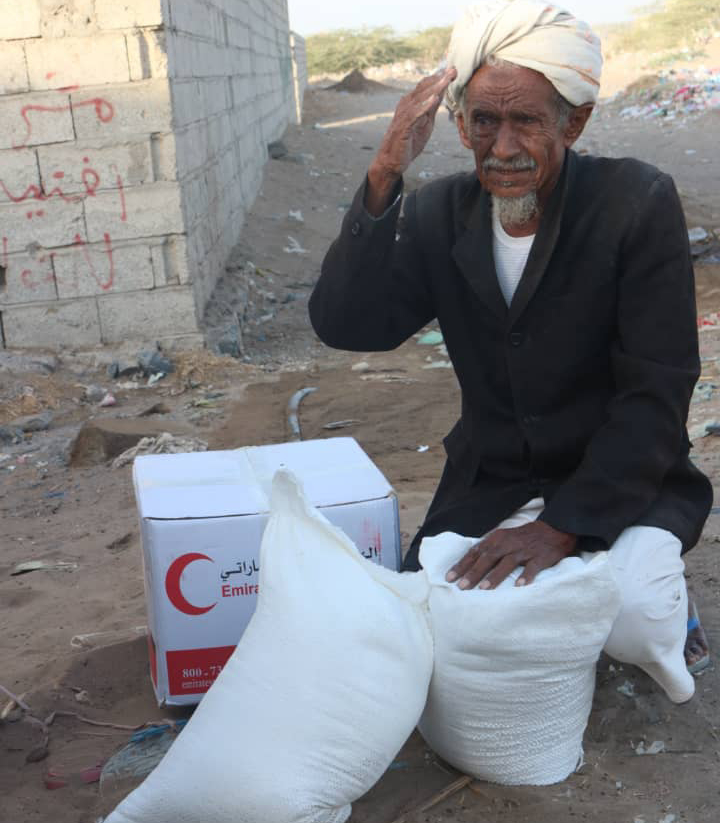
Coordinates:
x,y
473,251
545,242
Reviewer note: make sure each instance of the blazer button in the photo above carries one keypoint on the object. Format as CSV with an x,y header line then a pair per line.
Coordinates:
x,y
516,338
356,229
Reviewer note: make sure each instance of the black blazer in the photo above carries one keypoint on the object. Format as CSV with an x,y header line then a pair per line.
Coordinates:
x,y
580,390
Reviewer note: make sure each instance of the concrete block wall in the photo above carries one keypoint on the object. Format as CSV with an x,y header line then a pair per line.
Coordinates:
x,y
132,143
232,94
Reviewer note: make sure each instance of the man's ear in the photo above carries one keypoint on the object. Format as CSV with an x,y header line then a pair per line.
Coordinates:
x,y
460,122
576,123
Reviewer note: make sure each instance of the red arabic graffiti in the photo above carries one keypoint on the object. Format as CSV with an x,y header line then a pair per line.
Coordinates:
x,y
104,111
33,195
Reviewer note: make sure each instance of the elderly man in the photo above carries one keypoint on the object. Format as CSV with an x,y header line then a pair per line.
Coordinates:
x,y
564,289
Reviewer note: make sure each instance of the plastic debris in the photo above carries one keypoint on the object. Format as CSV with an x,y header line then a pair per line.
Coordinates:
x,y
697,235
703,430
627,689
296,215
657,747
93,393
669,818
107,401
43,565
294,247
340,424
672,96
438,364
155,378
431,338
360,366
166,443
423,449
153,362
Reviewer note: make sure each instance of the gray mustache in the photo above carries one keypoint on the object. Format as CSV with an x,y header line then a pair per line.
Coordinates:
x,y
517,164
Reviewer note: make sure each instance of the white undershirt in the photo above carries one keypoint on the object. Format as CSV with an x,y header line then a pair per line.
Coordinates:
x,y
511,255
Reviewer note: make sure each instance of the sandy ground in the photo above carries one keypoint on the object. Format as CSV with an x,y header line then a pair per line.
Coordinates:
x,y
78,632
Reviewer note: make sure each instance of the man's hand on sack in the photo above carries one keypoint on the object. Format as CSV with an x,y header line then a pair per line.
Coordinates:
x,y
405,138
536,546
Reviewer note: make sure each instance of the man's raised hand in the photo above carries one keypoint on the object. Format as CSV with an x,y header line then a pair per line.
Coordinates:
x,y
405,139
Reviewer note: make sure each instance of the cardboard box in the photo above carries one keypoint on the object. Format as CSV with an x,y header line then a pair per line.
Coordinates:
x,y
202,518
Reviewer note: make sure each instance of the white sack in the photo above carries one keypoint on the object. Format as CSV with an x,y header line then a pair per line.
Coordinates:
x,y
325,687
514,674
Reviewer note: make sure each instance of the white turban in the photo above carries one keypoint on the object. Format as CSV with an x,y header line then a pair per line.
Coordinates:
x,y
532,34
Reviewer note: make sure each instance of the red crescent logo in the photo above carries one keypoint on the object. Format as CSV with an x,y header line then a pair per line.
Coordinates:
x,y
172,584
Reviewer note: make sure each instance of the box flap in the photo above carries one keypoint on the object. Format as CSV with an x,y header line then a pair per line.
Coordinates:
x,y
226,483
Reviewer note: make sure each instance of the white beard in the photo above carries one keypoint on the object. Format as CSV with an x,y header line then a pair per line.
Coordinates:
x,y
516,211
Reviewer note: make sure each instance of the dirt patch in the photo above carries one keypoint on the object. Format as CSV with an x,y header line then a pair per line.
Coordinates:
x,y
357,83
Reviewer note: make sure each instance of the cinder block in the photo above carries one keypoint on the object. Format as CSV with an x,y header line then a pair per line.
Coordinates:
x,y
71,61
149,211
19,178
238,33
127,14
36,224
89,167
164,160
13,71
35,119
147,315
187,103
66,324
28,278
140,108
102,268
20,19
147,55
59,18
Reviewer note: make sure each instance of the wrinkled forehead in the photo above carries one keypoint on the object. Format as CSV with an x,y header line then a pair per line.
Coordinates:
x,y
508,86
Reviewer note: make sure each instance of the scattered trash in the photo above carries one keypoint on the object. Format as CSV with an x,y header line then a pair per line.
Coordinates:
x,y
43,565
658,747
33,422
423,449
360,366
296,215
117,369
82,696
165,443
93,393
438,364
697,235
55,779
669,818
672,96
129,385
277,149
704,392
139,757
340,424
431,338
294,247
618,784
107,401
627,689
703,430
153,362
54,495
96,639
10,435
155,378
293,409
5,457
